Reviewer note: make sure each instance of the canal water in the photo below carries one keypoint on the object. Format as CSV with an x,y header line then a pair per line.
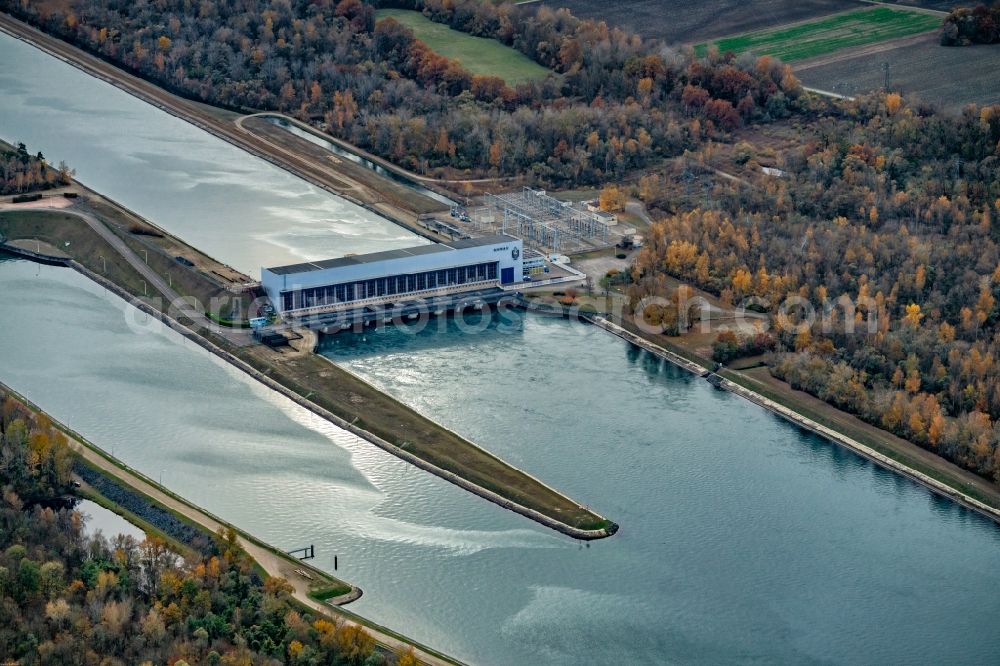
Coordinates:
x,y
239,209
743,539
284,124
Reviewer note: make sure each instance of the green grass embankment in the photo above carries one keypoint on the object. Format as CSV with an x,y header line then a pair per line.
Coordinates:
x,y
826,35
479,55
71,235
330,592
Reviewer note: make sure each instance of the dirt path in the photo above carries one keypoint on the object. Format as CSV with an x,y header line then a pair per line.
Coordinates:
x,y
728,176
827,93
638,209
869,50
49,203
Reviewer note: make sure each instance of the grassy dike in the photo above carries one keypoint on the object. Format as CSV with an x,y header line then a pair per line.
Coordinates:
x,y
316,383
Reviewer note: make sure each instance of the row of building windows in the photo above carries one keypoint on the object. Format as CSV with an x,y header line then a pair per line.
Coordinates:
x,y
387,286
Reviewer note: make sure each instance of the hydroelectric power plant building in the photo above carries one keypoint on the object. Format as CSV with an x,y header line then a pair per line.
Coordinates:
x,y
433,273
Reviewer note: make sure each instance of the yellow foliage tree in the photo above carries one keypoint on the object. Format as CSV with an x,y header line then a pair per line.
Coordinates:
x,y
612,198
645,87
803,340
496,154
354,643
406,658
984,304
913,316
742,281
893,101
936,430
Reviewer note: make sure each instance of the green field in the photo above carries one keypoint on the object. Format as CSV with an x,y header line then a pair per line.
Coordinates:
x,y
477,54
814,38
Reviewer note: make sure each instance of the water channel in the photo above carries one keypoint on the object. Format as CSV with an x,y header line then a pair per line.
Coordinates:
x,y
358,159
743,539
239,209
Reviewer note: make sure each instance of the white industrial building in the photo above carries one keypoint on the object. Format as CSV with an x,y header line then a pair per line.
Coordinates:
x,y
394,276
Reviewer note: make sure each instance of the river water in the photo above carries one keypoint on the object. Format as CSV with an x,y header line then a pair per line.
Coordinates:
x,y
239,209
743,539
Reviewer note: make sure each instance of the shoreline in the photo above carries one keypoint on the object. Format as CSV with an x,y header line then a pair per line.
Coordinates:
x,y
167,101
240,364
934,485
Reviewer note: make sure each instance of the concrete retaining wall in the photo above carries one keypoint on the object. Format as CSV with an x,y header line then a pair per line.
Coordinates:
x,y
41,258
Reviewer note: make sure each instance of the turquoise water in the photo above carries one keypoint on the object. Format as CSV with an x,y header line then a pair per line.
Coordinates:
x,y
743,539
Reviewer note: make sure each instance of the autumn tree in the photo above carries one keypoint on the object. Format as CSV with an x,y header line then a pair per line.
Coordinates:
x,y
612,198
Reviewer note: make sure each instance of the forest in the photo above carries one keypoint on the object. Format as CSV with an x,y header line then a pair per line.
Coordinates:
x,y
67,597
612,104
22,172
878,255
972,25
